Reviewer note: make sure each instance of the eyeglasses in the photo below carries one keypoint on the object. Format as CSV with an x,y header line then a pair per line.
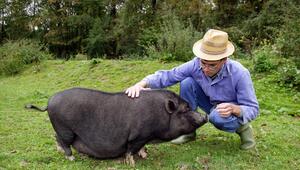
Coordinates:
x,y
210,66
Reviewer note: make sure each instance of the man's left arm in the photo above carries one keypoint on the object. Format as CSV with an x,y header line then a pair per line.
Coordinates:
x,y
247,107
246,99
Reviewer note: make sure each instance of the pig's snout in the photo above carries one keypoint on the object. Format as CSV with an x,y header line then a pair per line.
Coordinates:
x,y
198,120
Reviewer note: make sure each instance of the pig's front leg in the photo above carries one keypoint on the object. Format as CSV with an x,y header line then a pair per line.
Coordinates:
x,y
133,148
129,159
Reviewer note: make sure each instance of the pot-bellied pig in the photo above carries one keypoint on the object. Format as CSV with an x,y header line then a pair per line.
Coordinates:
x,y
108,125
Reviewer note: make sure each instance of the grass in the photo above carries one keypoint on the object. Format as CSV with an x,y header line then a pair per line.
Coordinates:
x,y
27,138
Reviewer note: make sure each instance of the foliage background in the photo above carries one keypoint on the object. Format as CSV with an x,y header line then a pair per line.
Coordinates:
x,y
154,29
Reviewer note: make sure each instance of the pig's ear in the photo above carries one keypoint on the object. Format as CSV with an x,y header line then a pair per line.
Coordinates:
x,y
171,106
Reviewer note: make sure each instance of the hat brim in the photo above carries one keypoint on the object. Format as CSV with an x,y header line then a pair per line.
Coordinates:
x,y
211,57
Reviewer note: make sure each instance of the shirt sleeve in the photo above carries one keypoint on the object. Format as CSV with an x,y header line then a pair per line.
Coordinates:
x,y
165,78
246,98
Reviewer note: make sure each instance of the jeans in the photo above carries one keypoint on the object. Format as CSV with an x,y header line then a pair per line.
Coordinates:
x,y
191,91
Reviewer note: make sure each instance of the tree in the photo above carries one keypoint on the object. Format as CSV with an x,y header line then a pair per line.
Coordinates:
x,y
68,24
16,19
3,14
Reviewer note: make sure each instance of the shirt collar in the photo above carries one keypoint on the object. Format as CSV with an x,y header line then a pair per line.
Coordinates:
x,y
225,71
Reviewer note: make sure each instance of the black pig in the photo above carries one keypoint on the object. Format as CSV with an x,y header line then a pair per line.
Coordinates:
x,y
108,125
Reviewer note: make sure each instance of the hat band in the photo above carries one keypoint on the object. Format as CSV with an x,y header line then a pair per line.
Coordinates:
x,y
212,52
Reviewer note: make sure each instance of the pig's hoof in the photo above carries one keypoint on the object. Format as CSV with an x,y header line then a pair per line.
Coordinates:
x,y
129,159
71,158
143,153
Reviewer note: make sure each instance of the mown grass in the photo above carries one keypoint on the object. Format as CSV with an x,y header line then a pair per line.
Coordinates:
x,y
27,138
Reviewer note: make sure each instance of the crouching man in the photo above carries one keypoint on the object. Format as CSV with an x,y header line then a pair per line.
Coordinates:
x,y
217,84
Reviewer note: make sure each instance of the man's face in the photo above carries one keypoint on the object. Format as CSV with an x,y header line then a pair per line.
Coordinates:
x,y
211,68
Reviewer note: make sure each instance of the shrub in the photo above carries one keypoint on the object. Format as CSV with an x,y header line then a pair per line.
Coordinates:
x,y
267,23
263,59
289,75
148,38
288,41
15,55
94,62
100,42
174,41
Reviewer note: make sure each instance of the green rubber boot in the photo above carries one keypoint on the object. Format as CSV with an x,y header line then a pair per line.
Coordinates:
x,y
246,134
184,138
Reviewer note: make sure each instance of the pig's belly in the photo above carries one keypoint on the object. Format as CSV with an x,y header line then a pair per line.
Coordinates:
x,y
100,152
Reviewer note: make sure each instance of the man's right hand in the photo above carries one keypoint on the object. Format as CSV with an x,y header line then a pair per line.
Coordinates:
x,y
134,91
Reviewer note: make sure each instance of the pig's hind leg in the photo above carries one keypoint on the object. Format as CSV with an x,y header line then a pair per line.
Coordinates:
x,y
82,148
65,138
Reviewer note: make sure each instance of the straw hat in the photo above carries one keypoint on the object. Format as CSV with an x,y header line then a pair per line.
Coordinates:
x,y
213,46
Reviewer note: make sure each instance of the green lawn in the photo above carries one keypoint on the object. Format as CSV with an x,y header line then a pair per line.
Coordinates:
x,y
27,138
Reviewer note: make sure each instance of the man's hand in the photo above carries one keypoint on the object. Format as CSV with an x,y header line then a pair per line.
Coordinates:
x,y
226,109
134,91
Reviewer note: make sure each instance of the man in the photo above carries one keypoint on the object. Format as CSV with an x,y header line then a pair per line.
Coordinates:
x,y
218,85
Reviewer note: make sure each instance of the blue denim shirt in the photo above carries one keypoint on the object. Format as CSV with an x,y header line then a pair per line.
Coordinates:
x,y
233,84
